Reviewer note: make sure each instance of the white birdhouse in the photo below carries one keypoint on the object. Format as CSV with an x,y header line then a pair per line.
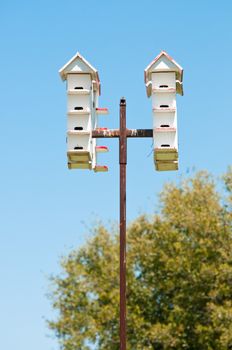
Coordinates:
x,y
163,79
83,90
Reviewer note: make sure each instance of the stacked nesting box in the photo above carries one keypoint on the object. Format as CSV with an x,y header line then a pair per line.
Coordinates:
x,y
83,90
163,78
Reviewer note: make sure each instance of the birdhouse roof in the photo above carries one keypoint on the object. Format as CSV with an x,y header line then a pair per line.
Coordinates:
x,y
164,63
78,64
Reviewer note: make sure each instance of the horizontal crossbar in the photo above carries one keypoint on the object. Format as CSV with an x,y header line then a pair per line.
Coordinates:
x,y
110,133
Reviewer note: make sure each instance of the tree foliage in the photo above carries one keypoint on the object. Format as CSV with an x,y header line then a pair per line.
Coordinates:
x,y
179,276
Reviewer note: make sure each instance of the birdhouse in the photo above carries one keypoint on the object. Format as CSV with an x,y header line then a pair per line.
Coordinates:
x,y
163,79
83,90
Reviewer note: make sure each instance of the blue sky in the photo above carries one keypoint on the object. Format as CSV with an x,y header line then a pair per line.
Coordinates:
x,y
46,210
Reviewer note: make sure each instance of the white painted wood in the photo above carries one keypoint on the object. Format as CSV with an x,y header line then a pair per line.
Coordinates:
x,y
78,64
79,121
83,90
164,117
163,64
165,140
164,80
83,112
78,81
81,117
168,118
165,128
163,90
78,92
79,102
167,100
94,153
78,132
83,142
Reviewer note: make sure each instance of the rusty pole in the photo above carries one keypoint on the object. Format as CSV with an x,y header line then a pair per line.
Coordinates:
x,y
122,133
115,133
122,162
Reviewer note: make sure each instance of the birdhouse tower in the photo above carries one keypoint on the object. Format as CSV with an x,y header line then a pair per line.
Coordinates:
x,y
83,90
163,79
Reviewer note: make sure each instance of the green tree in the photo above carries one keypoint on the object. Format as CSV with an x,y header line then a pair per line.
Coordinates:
x,y
179,273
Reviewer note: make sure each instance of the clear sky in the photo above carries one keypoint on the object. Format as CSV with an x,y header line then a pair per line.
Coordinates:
x,y
46,209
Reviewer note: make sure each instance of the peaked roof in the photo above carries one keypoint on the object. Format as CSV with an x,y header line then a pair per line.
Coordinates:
x,y
164,63
78,64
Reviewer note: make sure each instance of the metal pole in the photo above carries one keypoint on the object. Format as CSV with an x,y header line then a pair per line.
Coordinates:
x,y
122,133
122,162
113,133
